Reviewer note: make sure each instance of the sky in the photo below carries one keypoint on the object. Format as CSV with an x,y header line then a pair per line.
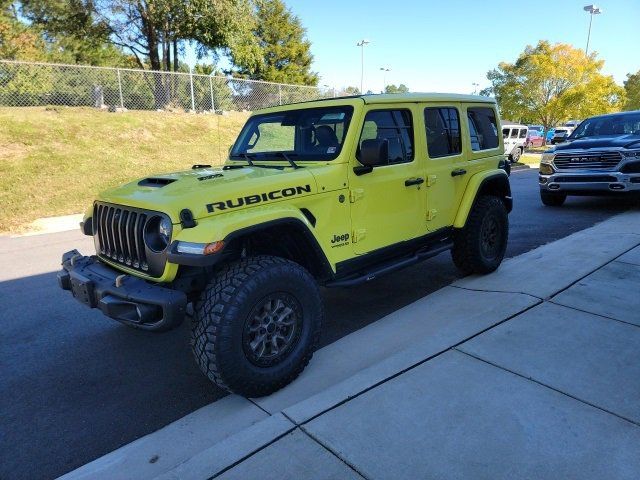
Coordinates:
x,y
447,45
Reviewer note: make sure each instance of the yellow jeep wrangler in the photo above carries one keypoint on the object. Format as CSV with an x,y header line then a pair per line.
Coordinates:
x,y
328,193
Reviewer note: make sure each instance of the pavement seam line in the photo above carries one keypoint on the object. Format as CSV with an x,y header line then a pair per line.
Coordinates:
x,y
605,317
627,263
592,272
335,454
253,452
496,291
417,364
615,259
531,379
250,400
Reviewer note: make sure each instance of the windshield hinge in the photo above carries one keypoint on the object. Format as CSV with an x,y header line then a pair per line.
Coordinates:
x,y
356,194
431,214
431,180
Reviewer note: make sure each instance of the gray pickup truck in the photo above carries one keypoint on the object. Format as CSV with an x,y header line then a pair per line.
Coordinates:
x,y
600,157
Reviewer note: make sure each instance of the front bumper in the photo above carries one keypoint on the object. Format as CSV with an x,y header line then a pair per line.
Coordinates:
x,y
125,298
590,182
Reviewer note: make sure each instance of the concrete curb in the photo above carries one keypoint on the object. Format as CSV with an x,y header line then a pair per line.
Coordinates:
x,y
235,428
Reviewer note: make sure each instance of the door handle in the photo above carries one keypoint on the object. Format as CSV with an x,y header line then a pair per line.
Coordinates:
x,y
457,172
413,181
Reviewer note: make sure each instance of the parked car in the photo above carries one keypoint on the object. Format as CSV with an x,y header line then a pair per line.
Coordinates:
x,y
328,193
515,140
549,135
600,157
534,138
539,128
561,134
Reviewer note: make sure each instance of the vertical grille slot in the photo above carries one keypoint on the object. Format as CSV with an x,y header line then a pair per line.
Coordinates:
x,y
119,233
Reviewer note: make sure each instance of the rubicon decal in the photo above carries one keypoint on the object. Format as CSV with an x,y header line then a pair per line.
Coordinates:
x,y
258,198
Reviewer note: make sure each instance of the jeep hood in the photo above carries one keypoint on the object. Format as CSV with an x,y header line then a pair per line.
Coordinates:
x,y
210,191
613,141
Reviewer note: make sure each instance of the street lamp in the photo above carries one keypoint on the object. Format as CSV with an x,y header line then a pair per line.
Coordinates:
x,y
384,77
475,87
362,44
592,10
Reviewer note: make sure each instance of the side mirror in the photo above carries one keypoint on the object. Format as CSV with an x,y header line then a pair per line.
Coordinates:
x,y
374,152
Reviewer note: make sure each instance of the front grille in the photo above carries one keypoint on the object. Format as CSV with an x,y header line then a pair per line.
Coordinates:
x,y
585,178
120,231
587,160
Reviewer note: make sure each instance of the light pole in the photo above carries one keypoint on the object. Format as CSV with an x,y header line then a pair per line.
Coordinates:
x,y
384,77
361,44
475,87
592,10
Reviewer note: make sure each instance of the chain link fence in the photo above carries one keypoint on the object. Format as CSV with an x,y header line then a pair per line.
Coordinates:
x,y
26,84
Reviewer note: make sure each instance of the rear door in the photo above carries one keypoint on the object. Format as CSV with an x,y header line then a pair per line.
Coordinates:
x,y
445,161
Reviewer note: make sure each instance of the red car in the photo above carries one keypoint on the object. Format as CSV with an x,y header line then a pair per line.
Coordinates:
x,y
534,139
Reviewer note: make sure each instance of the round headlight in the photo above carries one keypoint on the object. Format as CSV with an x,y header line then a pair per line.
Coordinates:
x,y
165,229
157,233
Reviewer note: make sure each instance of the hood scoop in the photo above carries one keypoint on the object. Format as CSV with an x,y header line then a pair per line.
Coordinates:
x,y
155,182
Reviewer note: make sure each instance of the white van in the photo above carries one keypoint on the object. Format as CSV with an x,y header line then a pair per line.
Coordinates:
x,y
515,140
560,134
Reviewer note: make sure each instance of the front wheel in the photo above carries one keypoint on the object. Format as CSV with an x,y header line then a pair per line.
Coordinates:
x,y
479,247
515,156
256,325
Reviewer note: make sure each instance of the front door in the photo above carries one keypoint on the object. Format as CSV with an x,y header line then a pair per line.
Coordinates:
x,y
388,203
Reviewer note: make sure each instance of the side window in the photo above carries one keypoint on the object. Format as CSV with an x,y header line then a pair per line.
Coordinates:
x,y
514,133
482,128
505,133
396,127
523,133
443,131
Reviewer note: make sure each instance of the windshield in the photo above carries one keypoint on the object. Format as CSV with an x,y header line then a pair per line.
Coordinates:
x,y
305,134
625,124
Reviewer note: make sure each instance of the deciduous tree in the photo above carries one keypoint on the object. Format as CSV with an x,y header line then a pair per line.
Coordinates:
x,y
402,88
549,84
632,89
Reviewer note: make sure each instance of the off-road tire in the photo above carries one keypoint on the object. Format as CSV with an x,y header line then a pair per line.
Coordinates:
x,y
228,303
552,199
515,156
469,252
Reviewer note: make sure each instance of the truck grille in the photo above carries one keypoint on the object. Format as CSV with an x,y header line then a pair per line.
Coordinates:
x,y
587,161
119,233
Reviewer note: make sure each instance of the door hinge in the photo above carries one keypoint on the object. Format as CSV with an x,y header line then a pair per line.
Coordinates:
x,y
431,180
358,235
356,194
431,214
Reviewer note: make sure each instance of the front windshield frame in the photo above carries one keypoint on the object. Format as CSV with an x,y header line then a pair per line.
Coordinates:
x,y
577,134
240,152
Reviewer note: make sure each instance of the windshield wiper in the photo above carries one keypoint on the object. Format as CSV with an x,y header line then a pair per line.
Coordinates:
x,y
288,159
248,159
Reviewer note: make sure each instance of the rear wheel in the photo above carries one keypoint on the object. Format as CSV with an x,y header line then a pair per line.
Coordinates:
x,y
552,199
257,325
479,247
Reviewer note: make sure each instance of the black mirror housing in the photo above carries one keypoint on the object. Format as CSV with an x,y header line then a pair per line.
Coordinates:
x,y
374,152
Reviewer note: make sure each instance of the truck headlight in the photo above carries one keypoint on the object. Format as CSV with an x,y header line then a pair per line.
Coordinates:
x,y
157,233
546,169
632,154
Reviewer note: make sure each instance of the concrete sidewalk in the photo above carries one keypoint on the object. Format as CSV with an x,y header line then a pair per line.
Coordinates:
x,y
531,372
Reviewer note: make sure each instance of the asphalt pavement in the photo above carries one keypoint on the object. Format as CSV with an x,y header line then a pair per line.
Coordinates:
x,y
76,385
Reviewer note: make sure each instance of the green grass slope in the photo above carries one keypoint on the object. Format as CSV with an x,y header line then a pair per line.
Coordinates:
x,y
54,160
